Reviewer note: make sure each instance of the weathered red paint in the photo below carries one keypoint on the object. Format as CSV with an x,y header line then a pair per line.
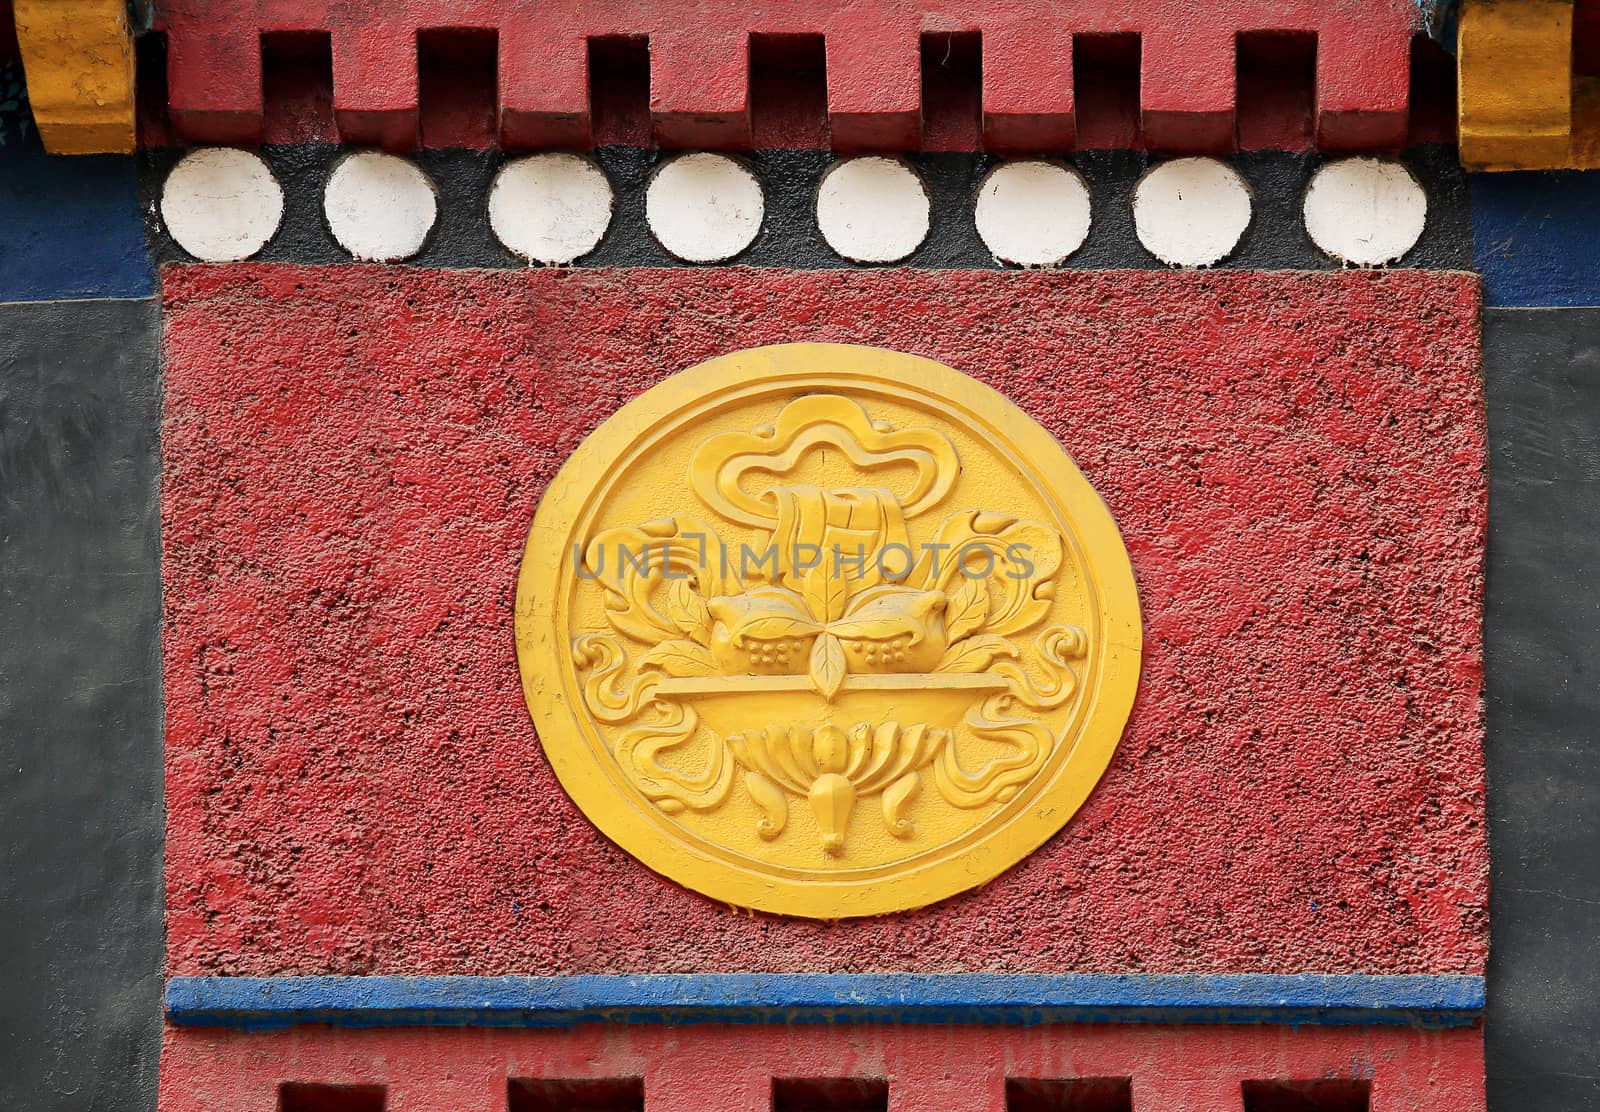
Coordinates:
x,y
730,1069
700,66
352,457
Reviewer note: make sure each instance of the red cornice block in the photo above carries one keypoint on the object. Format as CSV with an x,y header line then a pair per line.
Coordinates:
x,y
544,86
214,76
1186,90
1363,89
375,84
700,66
1028,102
700,88
874,87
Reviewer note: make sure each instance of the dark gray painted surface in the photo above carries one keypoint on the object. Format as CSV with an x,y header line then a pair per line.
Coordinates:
x,y
1275,239
1543,670
80,707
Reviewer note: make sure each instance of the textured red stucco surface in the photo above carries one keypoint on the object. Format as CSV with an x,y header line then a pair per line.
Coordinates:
x,y
730,1069
352,457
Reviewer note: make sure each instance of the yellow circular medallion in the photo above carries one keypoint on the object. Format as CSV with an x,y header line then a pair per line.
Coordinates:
x,y
826,631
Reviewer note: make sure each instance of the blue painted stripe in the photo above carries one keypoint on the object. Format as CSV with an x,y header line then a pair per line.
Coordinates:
x,y
70,225
1535,238
256,1003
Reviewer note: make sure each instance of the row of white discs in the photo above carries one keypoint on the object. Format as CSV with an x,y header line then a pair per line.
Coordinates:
x,y
222,205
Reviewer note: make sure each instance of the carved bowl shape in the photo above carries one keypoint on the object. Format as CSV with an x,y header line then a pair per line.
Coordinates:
x,y
871,738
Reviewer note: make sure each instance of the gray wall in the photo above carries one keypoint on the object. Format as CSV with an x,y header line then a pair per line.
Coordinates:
x,y
80,706
1542,659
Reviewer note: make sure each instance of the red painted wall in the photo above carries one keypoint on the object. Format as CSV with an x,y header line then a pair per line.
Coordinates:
x,y
730,1069
352,457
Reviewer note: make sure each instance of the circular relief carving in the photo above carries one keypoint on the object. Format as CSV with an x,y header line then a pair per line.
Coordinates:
x,y
826,631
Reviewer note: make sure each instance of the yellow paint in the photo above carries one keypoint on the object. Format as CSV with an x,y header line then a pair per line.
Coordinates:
x,y
78,56
1585,149
801,702
1514,64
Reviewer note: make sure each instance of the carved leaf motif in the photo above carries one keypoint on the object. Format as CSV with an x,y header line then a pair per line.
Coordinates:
x,y
825,594
631,563
769,627
1023,558
975,653
968,607
689,611
886,612
765,614
827,665
680,658
877,629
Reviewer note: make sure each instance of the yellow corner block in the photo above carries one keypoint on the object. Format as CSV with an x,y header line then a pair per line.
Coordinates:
x,y
1515,68
1585,150
78,55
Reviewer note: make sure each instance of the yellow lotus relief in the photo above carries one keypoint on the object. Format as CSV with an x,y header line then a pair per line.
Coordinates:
x,y
802,666
826,630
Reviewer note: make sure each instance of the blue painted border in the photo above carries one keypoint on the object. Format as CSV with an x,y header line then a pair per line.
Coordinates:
x,y
1535,238
261,1003
70,226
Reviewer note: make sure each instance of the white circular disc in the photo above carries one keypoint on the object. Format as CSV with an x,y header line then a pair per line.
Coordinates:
x,y
550,208
1033,213
221,204
704,208
873,209
1191,211
379,207
1365,211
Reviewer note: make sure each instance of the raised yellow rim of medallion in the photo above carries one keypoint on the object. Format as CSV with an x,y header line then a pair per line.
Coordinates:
x,y
549,681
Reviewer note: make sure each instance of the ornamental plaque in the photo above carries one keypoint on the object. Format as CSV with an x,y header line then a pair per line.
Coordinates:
x,y
826,631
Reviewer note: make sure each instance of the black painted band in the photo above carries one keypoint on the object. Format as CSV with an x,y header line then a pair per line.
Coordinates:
x,y
1275,240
